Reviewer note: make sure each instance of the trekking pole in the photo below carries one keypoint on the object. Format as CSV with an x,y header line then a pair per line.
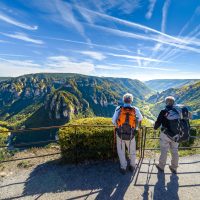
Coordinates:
x,y
154,152
114,142
139,139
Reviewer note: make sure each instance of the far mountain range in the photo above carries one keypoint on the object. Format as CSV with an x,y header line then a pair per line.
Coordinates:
x,y
164,84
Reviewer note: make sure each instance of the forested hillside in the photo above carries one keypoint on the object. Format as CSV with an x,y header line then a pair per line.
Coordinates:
x,y
43,99
48,99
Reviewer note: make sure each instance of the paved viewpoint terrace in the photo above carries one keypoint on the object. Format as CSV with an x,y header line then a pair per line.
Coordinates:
x,y
51,180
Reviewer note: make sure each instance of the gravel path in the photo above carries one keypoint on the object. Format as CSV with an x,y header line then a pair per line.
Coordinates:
x,y
51,180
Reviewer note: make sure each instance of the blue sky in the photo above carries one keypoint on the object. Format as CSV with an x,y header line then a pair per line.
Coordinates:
x,y
138,39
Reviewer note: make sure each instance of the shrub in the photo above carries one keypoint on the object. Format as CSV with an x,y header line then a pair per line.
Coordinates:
x,y
86,142
3,136
4,153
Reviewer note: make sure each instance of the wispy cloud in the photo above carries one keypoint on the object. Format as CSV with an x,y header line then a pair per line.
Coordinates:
x,y
62,13
148,68
186,26
12,55
12,21
178,43
84,43
150,9
93,54
21,63
124,6
13,68
146,29
66,12
191,37
135,57
149,33
54,64
121,6
166,75
108,67
84,13
158,45
92,17
24,37
66,65
139,60
148,76
164,15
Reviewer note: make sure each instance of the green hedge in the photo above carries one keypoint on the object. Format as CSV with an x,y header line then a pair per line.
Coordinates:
x,y
3,136
87,143
4,153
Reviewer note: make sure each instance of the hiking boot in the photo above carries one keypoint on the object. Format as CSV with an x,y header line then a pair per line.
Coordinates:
x,y
172,170
122,171
131,168
159,168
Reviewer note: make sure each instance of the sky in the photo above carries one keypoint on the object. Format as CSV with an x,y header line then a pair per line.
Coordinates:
x,y
138,39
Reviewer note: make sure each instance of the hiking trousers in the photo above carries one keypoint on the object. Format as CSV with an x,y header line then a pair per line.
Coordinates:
x,y
165,144
131,146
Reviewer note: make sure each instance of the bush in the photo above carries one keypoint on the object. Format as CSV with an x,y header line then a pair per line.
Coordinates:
x,y
87,143
3,136
4,153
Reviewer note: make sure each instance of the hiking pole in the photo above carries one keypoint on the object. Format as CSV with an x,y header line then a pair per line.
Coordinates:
x,y
139,139
154,151
114,142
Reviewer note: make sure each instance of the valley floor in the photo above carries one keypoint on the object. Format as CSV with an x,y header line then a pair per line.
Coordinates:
x,y
49,179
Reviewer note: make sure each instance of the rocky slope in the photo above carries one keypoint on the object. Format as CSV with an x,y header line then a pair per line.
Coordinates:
x,y
39,99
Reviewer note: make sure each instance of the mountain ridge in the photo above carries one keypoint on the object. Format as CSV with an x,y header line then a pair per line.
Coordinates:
x,y
63,96
164,84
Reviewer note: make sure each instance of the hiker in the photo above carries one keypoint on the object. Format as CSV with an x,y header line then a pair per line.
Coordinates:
x,y
174,122
127,119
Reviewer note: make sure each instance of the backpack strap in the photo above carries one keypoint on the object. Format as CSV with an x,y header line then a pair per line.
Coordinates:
x,y
176,111
119,108
173,109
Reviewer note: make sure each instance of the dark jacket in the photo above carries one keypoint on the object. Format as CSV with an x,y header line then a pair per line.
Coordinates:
x,y
162,119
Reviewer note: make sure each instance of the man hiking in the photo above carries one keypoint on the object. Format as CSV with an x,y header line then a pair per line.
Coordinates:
x,y
174,128
126,118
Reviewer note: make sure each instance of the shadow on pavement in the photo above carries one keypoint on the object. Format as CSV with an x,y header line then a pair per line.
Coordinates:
x,y
162,192
101,178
